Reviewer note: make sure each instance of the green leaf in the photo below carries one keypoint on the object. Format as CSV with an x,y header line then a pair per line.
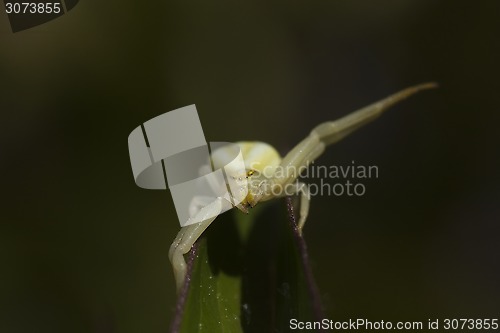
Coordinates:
x,y
248,273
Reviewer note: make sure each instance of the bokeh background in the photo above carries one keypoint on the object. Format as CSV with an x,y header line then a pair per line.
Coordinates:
x,y
83,249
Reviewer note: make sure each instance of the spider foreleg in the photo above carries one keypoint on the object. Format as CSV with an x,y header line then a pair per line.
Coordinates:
x,y
187,236
332,131
301,188
305,200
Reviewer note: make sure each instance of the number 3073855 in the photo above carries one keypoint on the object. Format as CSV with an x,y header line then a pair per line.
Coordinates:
x,y
33,8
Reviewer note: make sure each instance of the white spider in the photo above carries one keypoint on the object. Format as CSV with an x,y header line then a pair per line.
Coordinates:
x,y
262,162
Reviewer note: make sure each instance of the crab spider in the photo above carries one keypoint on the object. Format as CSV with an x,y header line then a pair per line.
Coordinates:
x,y
262,163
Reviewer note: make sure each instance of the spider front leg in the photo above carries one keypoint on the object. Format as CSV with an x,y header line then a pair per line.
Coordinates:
x,y
187,236
331,132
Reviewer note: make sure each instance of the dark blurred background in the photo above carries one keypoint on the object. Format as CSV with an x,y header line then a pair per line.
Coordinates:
x,y
83,249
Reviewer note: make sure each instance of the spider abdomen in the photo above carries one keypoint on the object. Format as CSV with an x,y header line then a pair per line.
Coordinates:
x,y
259,156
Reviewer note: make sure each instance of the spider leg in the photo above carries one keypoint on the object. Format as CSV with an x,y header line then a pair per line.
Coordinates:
x,y
187,236
333,131
305,200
